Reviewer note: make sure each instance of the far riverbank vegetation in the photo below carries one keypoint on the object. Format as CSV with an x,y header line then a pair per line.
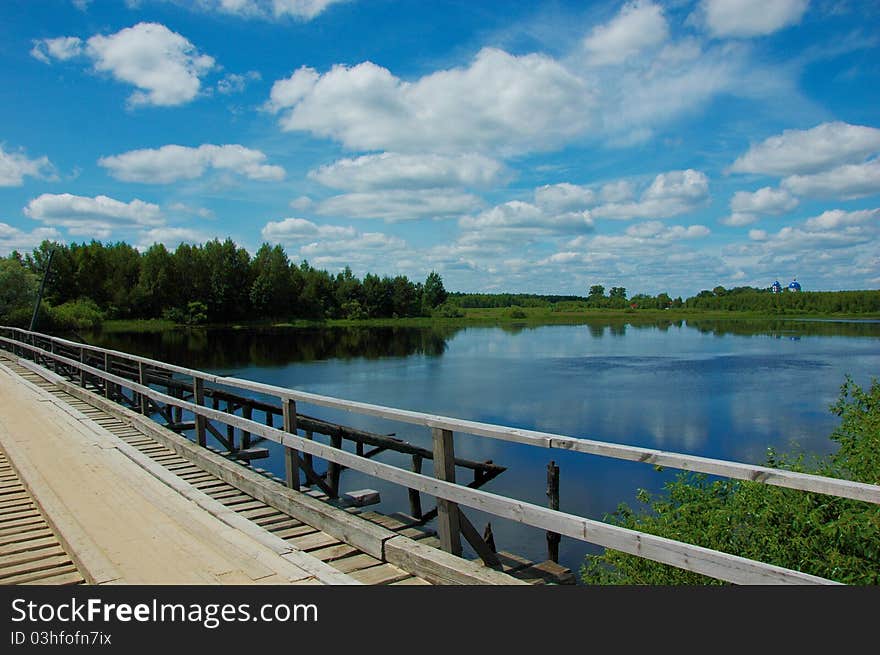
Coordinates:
x,y
220,283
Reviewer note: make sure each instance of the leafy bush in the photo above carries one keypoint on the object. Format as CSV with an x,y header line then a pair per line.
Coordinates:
x,y
447,311
196,313
517,312
821,535
75,315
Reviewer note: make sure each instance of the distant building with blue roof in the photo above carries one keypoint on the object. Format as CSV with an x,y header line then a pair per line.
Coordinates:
x,y
794,285
776,287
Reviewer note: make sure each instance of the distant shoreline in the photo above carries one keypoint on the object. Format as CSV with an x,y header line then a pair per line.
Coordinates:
x,y
497,316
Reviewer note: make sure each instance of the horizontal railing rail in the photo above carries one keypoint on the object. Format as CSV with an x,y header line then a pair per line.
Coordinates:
x,y
716,564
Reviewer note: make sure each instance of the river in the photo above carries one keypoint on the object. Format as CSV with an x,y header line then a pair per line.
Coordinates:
x,y
725,389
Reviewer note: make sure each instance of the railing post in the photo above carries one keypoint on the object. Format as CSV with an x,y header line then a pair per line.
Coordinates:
x,y
199,399
230,429
448,524
333,469
247,411
144,401
291,455
415,498
553,503
82,373
106,370
307,457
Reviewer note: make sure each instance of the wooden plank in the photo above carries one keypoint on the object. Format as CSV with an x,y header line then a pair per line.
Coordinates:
x,y
29,534
356,563
296,531
284,525
32,567
254,504
439,567
13,560
313,541
58,580
30,544
383,574
332,553
42,574
259,512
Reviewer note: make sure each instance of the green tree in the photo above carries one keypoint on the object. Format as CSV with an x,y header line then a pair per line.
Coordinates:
x,y
433,293
272,288
18,291
157,284
229,283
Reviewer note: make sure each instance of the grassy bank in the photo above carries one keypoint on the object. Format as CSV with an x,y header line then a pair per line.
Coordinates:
x,y
502,316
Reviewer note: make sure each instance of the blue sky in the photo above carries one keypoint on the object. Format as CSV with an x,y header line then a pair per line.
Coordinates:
x,y
511,146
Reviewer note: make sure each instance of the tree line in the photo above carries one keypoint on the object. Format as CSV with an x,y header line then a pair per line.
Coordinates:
x,y
218,281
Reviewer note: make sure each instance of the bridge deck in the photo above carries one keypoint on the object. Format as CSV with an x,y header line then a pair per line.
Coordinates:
x,y
119,519
96,431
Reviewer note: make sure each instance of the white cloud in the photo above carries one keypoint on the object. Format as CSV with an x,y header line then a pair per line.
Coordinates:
x,y
335,246
618,191
306,9
15,166
291,230
202,212
847,181
564,197
61,48
163,65
638,26
738,219
12,238
173,162
836,218
748,18
96,217
670,194
302,202
498,102
796,152
299,9
766,200
519,216
389,170
400,205
235,83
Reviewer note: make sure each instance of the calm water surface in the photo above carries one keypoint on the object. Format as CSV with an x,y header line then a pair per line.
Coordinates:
x,y
719,389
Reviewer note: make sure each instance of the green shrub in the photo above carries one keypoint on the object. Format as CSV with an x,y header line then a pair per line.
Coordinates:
x,y
81,314
517,312
822,535
447,311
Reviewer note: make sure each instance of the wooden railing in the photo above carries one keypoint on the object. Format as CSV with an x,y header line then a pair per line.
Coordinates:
x,y
451,521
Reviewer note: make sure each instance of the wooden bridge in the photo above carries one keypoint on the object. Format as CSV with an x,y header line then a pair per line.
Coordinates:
x,y
102,480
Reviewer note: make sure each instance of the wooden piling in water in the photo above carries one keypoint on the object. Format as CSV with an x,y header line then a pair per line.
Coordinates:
x,y
553,503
